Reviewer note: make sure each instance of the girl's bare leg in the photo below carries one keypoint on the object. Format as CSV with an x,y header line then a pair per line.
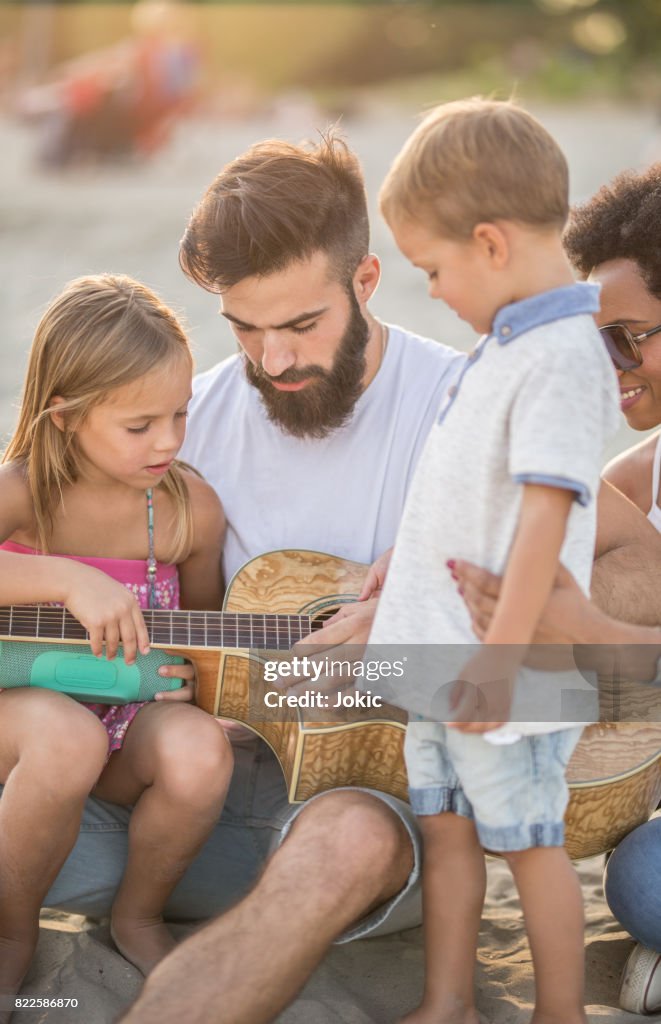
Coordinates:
x,y
553,911
175,765
453,887
51,753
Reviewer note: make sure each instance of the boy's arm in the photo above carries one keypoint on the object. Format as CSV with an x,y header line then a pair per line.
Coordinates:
x,y
532,564
531,569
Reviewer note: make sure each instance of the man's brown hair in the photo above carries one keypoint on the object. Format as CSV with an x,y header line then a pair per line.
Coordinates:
x,y
275,205
478,160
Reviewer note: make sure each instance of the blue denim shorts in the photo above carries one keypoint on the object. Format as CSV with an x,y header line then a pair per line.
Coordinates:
x,y
254,822
515,793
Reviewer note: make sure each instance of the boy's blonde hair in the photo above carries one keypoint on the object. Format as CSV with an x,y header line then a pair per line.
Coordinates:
x,y
99,334
477,160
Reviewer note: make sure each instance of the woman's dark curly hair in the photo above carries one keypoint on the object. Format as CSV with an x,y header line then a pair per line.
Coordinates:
x,y
622,221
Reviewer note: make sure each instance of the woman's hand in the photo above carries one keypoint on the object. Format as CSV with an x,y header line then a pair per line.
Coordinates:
x,y
185,672
107,609
566,619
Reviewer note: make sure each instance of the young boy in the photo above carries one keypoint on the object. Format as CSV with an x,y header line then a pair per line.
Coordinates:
x,y
478,199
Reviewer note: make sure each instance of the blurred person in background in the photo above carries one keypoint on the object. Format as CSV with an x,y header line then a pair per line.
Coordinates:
x,y
124,100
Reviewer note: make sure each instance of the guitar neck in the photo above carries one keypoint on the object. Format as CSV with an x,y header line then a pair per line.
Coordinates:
x,y
195,629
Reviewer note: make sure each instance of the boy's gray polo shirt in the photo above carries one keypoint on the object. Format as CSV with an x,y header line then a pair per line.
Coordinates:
x,y
535,403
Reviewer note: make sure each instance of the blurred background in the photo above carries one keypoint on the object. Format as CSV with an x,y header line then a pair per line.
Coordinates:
x,y
115,117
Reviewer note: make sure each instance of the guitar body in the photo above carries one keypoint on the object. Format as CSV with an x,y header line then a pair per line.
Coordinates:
x,y
614,781
614,775
314,756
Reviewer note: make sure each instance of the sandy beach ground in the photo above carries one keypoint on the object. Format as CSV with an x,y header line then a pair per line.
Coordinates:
x,y
129,219
373,981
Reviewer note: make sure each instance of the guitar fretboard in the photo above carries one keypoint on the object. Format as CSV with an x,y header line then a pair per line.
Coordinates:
x,y
168,628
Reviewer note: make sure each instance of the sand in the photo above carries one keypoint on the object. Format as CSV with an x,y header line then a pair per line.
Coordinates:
x,y
373,981
129,218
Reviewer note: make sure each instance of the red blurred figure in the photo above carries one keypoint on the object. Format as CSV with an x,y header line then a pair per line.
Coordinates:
x,y
124,100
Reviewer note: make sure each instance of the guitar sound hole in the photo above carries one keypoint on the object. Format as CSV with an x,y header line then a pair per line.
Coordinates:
x,y
318,620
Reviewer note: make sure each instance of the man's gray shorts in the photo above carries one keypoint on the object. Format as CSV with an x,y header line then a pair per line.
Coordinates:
x,y
255,820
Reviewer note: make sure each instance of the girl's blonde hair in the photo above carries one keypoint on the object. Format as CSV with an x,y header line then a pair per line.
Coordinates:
x,y
101,333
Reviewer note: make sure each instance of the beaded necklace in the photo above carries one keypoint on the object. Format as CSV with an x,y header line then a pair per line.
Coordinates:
x,y
151,560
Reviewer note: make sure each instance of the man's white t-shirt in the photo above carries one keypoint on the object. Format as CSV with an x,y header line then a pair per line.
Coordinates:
x,y
343,494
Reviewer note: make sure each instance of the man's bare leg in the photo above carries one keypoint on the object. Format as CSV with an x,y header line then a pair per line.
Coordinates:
x,y
346,854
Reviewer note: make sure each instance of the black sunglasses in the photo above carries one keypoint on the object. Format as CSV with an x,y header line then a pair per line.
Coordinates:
x,y
623,346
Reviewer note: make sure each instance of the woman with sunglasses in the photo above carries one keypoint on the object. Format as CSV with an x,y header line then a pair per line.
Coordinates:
x,y
614,239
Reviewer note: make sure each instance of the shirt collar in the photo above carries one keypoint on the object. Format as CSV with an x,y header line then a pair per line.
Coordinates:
x,y
569,300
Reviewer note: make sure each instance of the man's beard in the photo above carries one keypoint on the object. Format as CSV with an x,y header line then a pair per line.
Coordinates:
x,y
327,402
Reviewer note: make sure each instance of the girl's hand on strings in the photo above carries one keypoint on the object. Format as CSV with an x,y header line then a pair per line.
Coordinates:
x,y
108,611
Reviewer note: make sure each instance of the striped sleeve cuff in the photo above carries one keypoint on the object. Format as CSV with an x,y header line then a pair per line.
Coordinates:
x,y
581,491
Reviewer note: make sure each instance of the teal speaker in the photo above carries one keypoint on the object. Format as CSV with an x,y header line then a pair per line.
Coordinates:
x,y
73,669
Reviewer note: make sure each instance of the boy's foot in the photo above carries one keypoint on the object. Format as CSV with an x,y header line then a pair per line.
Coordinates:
x,y
143,943
641,981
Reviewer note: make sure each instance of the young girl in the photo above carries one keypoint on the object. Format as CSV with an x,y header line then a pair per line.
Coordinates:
x,y
91,492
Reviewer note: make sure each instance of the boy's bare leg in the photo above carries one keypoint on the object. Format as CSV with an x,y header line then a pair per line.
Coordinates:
x,y
175,765
346,853
453,885
553,911
51,753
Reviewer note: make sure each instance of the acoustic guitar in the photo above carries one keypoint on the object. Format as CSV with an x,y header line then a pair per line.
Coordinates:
x,y
272,602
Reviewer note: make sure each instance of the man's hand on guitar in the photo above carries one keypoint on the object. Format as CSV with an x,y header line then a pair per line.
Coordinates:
x,y
342,639
350,625
343,636
186,673
376,576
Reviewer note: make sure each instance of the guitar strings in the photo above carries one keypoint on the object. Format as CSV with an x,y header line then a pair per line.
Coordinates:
x,y
175,626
